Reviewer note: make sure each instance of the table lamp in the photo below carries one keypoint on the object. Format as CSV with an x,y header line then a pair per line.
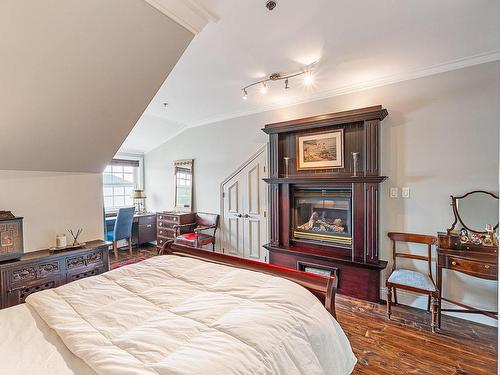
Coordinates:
x,y
138,195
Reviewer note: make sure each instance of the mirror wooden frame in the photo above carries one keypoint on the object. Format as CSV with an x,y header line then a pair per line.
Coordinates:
x,y
456,212
179,164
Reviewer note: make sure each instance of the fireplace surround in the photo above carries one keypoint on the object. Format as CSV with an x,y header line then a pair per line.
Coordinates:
x,y
326,220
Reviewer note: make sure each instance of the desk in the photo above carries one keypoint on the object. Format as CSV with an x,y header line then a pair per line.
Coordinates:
x,y
477,261
143,227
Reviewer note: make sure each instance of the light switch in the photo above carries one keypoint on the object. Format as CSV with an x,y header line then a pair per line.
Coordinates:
x,y
405,192
394,192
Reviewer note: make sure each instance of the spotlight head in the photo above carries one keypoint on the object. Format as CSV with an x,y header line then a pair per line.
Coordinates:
x,y
270,4
308,79
245,94
263,89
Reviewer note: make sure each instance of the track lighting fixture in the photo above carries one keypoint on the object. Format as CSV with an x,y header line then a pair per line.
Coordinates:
x,y
307,73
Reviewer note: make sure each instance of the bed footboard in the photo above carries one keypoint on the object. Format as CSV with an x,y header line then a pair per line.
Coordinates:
x,y
321,286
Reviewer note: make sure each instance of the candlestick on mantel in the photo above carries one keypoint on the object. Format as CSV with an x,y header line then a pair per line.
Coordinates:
x,y
287,160
355,163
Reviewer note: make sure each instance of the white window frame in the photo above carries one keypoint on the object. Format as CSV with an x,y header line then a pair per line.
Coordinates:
x,y
138,177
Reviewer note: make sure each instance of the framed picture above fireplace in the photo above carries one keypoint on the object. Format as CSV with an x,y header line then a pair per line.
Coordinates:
x,y
323,150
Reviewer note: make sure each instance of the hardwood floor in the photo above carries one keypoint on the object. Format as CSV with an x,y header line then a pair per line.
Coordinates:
x,y
403,345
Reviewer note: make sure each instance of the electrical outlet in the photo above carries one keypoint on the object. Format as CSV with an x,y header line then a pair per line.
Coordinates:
x,y
394,192
405,192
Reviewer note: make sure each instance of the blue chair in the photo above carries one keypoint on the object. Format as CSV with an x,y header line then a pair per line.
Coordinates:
x,y
122,229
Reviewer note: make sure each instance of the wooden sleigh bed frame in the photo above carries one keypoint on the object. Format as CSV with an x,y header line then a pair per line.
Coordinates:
x,y
321,286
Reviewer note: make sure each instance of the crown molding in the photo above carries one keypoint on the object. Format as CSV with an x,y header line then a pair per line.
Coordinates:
x,y
384,81
187,13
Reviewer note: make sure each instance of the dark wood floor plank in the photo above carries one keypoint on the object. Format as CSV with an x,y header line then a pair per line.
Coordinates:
x,y
405,345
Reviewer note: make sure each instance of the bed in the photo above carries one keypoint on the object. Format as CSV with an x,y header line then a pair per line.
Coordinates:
x,y
180,313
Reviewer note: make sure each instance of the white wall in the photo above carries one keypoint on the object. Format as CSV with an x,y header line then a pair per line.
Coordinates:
x,y
441,137
51,203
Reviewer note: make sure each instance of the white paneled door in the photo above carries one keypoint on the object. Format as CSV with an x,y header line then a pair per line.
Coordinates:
x,y
244,210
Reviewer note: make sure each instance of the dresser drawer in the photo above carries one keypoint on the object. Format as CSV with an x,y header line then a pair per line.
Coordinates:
x,y
94,258
176,218
37,271
166,232
166,224
147,233
147,220
471,267
160,241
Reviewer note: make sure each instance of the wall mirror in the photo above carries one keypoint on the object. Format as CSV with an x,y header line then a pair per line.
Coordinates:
x,y
475,210
183,178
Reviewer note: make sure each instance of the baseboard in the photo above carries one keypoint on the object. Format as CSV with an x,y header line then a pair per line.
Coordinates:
x,y
419,301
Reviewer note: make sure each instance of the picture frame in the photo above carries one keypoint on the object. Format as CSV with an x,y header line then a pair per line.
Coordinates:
x,y
322,150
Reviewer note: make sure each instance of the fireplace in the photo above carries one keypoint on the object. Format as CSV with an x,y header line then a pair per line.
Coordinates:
x,y
327,216
323,216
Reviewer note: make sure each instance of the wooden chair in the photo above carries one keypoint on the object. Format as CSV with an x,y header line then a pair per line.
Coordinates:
x,y
410,280
203,231
122,229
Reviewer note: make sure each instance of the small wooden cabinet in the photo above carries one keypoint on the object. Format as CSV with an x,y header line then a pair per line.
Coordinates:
x,y
165,222
45,269
474,260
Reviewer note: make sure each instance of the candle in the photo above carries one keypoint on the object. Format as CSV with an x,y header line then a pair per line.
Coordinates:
x,y
61,240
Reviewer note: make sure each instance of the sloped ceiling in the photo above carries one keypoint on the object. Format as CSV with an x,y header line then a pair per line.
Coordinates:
x,y
75,76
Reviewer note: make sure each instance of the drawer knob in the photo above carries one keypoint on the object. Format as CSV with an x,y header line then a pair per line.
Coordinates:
x,y
149,225
160,224
487,266
453,263
161,217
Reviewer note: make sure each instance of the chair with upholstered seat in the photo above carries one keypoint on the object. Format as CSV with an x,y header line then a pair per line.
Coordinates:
x,y
201,232
122,229
413,281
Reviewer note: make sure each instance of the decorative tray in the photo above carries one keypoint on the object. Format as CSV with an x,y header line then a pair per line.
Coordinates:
x,y
69,247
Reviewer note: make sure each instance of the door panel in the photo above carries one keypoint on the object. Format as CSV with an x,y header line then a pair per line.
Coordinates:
x,y
233,223
245,211
232,194
253,189
254,243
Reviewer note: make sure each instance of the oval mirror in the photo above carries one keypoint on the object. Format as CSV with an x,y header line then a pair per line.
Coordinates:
x,y
475,210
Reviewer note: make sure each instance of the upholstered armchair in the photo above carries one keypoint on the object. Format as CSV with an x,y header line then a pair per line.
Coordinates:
x,y
200,233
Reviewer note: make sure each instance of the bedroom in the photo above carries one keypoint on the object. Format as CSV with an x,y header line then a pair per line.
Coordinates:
x,y
181,101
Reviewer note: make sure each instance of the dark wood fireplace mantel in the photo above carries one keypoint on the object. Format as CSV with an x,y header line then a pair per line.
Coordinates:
x,y
353,256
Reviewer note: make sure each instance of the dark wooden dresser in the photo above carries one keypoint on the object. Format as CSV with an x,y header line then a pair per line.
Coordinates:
x,y
45,269
165,222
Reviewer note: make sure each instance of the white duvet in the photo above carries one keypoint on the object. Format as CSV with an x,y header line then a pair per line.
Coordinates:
x,y
173,315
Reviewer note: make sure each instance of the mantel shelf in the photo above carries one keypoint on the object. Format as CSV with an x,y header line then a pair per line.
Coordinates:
x,y
325,179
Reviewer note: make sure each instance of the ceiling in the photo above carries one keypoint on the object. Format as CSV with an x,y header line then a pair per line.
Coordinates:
x,y
358,44
75,76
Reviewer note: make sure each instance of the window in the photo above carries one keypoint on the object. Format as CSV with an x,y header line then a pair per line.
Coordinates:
x,y
119,179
